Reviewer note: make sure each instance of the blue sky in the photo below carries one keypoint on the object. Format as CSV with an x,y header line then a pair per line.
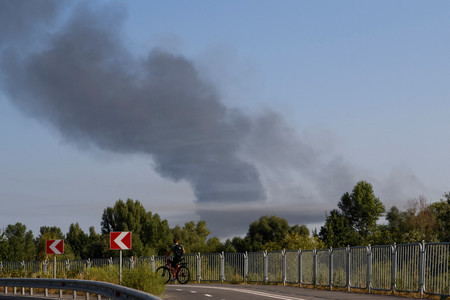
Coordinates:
x,y
356,86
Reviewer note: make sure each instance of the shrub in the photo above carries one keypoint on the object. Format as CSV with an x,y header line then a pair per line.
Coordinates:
x,y
107,274
143,279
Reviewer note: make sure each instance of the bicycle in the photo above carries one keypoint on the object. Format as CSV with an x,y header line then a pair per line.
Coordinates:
x,y
181,273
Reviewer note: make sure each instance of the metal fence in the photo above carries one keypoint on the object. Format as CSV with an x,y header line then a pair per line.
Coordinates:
x,y
416,268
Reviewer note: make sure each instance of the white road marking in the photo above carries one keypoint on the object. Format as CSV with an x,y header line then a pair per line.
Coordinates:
x,y
208,295
193,292
252,292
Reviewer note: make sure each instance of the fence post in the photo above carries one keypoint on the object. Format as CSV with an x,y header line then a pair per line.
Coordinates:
x,y
314,267
46,271
245,266
68,265
131,263
88,264
348,268
222,267
422,268
394,268
330,268
152,261
45,266
283,257
369,267
110,260
300,271
266,267
199,267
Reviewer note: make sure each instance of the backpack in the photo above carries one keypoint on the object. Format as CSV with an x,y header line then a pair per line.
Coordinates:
x,y
178,250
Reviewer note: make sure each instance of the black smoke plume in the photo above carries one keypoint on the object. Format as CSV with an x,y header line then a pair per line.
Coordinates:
x,y
87,85
81,79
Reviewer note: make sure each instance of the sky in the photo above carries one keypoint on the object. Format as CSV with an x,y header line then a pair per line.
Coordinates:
x,y
222,111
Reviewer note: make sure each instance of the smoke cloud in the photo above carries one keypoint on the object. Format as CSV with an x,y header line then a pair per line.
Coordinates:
x,y
87,84
18,19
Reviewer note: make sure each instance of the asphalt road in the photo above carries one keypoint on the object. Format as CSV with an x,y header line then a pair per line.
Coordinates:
x,y
261,292
233,292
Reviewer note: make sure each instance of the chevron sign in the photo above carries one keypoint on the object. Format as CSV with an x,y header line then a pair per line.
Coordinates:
x,y
120,240
55,247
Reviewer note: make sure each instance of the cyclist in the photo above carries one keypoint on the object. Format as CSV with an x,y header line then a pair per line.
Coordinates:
x,y
178,251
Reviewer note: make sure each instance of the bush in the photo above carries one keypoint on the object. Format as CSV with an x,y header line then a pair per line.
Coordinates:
x,y
143,279
106,274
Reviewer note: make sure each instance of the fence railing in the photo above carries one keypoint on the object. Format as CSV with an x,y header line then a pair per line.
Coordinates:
x,y
415,268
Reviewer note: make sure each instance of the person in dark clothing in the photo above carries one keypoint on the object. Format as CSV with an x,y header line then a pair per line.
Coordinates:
x,y
177,250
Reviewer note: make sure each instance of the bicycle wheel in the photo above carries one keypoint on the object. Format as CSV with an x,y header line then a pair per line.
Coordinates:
x,y
164,273
183,274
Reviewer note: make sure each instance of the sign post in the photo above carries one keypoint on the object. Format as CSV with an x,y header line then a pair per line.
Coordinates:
x,y
120,240
54,247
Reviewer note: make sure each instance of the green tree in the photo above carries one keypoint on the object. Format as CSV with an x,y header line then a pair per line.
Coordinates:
x,y
266,229
337,231
362,208
228,247
129,216
441,211
294,241
241,244
18,242
396,220
150,234
300,230
268,233
3,245
213,245
77,240
356,220
420,222
126,216
194,237
156,235
396,227
97,245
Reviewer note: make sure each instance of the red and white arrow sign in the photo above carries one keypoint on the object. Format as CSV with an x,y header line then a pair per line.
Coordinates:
x,y
120,240
55,247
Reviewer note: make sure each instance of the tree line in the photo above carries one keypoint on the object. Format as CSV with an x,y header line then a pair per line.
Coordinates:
x,y
355,222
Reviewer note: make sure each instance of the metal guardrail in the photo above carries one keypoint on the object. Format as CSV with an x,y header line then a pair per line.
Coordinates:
x,y
109,290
